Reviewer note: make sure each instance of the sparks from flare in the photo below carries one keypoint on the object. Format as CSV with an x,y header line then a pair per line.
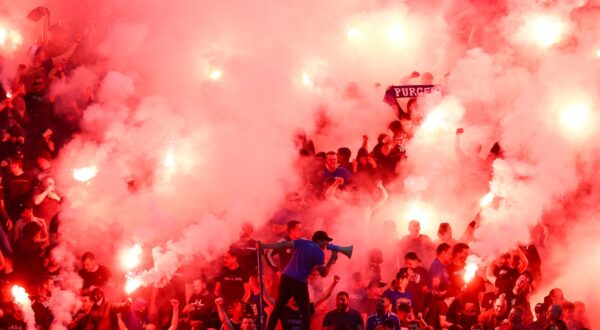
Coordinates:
x,y
487,199
85,174
131,258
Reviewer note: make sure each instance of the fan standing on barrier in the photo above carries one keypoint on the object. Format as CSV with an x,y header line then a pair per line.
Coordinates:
x,y
308,254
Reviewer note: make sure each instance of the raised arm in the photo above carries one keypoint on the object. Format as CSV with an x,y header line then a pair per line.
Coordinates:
x,y
489,272
383,198
324,269
277,245
330,192
40,195
319,301
223,315
17,81
457,149
120,324
66,55
46,27
444,323
175,318
467,235
524,261
404,80
270,257
247,292
365,142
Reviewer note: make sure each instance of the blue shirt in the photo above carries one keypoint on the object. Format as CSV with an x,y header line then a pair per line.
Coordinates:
x,y
307,254
374,320
438,269
338,172
396,298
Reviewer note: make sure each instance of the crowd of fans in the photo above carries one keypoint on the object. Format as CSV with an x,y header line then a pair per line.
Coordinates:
x,y
428,290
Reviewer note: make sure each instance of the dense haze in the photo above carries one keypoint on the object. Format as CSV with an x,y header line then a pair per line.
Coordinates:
x,y
198,102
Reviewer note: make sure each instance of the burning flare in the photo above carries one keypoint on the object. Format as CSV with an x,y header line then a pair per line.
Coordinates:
x,y
132,284
546,31
9,94
10,40
20,295
422,212
22,300
215,74
471,268
85,174
131,258
574,117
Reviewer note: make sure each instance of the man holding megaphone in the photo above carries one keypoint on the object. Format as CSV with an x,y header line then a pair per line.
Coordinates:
x,y
308,254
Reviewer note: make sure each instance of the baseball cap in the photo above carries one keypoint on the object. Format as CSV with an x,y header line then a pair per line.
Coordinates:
x,y
412,256
321,235
376,283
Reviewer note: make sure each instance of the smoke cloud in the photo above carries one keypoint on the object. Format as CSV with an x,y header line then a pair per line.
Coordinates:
x,y
194,107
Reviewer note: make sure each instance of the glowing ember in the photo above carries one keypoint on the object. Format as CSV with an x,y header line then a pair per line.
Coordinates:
x,y
574,117
487,199
131,258
470,269
132,284
216,74
546,31
84,174
20,295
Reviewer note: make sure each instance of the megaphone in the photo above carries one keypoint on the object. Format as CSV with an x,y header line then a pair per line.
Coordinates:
x,y
345,250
